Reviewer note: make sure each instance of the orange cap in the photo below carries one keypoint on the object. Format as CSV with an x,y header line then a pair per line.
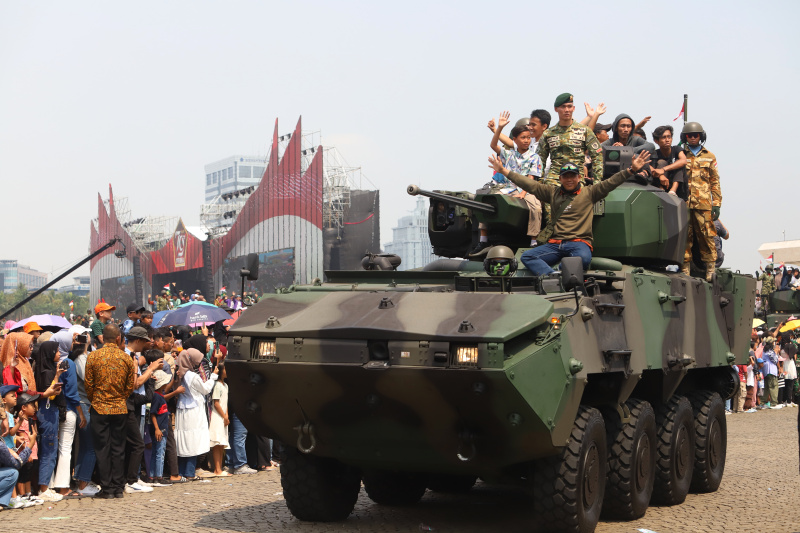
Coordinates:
x,y
102,306
31,326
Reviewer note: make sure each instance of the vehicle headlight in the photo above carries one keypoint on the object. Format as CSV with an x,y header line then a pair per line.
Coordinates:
x,y
265,350
466,356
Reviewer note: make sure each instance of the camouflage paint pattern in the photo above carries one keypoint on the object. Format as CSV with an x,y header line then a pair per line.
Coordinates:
x,y
369,361
702,180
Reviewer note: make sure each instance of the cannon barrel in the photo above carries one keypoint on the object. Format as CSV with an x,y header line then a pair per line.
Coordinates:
x,y
475,205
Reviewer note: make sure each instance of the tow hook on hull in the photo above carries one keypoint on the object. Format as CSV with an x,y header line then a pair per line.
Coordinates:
x,y
306,430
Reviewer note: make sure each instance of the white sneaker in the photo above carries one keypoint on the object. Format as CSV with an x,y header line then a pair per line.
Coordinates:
x,y
19,503
33,499
50,496
244,469
89,490
143,483
135,488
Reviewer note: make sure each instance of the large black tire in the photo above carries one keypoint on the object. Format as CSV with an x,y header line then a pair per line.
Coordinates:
x,y
451,484
675,451
711,440
318,489
631,461
394,488
568,489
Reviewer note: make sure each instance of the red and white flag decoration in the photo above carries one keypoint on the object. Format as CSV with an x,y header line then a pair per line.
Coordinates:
x,y
71,304
166,286
771,256
679,114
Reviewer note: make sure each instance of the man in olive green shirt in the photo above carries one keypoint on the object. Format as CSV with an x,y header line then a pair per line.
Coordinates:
x,y
571,212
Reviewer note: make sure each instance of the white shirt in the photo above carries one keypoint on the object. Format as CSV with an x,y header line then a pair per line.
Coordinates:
x,y
196,390
750,379
790,369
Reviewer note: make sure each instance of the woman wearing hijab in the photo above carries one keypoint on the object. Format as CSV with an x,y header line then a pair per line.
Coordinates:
x,y
200,343
14,356
47,373
191,422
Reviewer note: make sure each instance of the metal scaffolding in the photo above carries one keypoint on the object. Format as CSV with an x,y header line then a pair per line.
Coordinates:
x,y
339,179
148,233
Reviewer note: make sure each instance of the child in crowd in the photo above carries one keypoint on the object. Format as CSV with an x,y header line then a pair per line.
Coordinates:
x,y
524,160
159,426
9,397
218,424
27,405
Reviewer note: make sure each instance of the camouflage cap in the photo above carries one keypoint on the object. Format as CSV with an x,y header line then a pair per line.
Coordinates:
x,y
562,99
569,168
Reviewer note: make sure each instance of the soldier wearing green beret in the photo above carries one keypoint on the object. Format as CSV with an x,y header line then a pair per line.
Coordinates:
x,y
568,142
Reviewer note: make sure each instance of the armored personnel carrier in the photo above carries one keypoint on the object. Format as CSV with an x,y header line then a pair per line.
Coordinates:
x,y
599,391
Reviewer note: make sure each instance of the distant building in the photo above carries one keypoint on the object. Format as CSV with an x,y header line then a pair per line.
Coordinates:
x,y
410,238
13,274
80,286
233,174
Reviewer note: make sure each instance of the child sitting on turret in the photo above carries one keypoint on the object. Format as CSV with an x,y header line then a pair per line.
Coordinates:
x,y
524,161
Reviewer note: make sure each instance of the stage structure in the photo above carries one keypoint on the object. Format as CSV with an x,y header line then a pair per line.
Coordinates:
x,y
308,213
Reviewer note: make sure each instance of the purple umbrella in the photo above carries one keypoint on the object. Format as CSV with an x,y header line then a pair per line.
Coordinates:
x,y
52,323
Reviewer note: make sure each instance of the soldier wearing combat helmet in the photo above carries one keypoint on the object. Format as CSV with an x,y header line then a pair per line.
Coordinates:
x,y
767,280
568,142
704,196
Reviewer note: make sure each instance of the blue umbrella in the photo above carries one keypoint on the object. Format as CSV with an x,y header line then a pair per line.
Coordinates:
x,y
188,315
158,318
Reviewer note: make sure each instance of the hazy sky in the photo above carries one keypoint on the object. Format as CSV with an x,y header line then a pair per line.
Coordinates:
x,y
143,94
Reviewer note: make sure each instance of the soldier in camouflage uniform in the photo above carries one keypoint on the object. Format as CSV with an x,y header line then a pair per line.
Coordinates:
x,y
767,279
162,302
704,197
568,142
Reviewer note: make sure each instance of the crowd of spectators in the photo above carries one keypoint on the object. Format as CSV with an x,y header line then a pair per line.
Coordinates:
x,y
769,378
104,409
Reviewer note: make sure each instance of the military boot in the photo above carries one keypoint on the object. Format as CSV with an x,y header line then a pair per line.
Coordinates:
x,y
685,269
709,271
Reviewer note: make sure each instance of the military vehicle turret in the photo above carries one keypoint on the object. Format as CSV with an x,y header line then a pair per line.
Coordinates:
x,y
782,306
597,391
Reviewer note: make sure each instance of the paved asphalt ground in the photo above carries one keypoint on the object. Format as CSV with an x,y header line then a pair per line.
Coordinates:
x,y
760,493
